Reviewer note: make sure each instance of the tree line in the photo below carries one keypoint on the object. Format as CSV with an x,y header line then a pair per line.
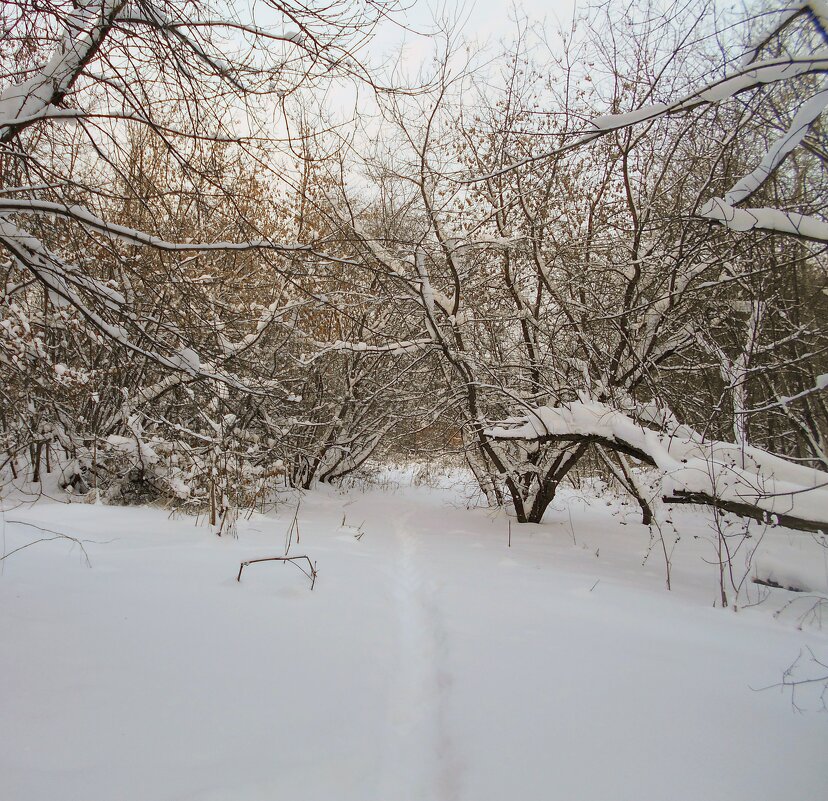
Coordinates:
x,y
213,285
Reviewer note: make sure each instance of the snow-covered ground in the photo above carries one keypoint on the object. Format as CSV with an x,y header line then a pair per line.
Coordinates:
x,y
431,661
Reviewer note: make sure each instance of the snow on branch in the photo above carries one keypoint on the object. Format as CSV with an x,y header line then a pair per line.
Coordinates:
x,y
724,211
62,280
393,348
801,226
751,74
742,479
84,31
135,237
796,131
748,77
821,385
817,10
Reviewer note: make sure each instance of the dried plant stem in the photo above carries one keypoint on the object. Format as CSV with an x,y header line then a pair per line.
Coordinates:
x,y
292,559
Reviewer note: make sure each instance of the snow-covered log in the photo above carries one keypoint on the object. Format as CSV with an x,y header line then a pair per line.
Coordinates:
x,y
745,480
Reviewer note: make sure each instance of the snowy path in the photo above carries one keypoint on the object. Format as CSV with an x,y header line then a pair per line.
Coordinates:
x,y
431,662
421,762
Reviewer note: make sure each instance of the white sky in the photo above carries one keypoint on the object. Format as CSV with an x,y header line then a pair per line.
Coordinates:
x,y
483,21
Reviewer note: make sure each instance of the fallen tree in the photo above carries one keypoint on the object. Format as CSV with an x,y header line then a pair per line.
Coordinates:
x,y
742,479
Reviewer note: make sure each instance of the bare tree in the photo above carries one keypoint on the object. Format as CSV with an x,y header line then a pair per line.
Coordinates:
x,y
195,77
664,275
161,292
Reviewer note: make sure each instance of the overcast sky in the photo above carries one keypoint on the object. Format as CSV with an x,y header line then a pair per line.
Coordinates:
x,y
482,20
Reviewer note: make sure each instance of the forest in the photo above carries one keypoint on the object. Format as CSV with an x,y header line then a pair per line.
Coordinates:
x,y
253,258
212,285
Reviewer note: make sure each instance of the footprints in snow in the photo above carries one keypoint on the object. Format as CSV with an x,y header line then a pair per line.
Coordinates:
x,y
422,762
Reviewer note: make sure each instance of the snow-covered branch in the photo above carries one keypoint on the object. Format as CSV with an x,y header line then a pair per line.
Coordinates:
x,y
748,77
84,32
367,348
743,479
63,281
751,74
136,237
821,385
801,226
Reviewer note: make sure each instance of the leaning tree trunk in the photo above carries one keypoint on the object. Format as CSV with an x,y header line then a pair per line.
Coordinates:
x,y
549,483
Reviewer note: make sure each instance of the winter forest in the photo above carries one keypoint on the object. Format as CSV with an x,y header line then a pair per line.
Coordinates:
x,y
506,325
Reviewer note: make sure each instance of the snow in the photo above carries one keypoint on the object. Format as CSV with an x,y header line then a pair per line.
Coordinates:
x,y
395,347
756,74
134,236
609,122
83,31
750,75
188,360
431,661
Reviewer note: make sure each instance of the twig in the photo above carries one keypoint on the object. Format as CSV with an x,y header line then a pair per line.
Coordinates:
x,y
57,536
571,527
294,526
291,559
789,680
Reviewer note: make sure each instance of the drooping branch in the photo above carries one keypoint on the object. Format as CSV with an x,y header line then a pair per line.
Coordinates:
x,y
742,479
746,510
62,280
133,236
